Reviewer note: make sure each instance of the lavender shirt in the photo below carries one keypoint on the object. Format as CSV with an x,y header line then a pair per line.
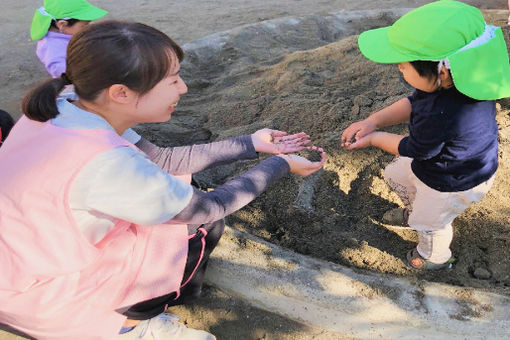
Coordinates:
x,y
52,51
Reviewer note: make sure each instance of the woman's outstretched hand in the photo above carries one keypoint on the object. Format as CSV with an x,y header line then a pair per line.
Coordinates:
x,y
302,166
277,142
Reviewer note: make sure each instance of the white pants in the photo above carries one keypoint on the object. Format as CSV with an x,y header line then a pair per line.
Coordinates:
x,y
431,212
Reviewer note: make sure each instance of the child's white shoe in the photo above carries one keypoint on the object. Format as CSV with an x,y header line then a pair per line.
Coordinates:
x,y
165,327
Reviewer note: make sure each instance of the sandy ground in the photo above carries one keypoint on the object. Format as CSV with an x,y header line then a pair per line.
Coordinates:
x,y
356,244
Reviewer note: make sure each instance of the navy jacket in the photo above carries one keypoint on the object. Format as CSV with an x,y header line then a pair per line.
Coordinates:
x,y
453,140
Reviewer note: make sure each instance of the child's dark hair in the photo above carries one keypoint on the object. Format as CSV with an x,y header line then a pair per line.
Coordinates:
x,y
70,22
425,68
103,54
6,124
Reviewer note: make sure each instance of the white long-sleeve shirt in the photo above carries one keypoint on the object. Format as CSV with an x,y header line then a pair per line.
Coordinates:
x,y
120,183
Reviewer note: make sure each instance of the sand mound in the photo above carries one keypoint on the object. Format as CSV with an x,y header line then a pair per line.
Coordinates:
x,y
306,74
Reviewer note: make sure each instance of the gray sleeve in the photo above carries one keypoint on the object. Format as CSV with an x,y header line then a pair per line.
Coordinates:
x,y
206,207
184,160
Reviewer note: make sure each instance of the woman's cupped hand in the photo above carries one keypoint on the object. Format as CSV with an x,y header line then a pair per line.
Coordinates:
x,y
279,142
302,166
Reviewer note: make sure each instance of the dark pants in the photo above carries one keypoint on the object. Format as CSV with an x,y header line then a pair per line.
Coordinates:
x,y
194,273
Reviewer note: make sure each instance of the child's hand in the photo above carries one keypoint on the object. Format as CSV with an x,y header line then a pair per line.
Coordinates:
x,y
356,131
277,142
302,166
360,143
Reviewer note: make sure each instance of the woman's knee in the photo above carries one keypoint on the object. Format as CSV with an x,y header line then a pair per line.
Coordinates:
x,y
215,230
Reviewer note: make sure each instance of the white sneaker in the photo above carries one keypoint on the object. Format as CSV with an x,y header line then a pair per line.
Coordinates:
x,y
165,327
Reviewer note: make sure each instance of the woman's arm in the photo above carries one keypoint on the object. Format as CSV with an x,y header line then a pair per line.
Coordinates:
x,y
121,183
190,159
235,194
184,160
206,207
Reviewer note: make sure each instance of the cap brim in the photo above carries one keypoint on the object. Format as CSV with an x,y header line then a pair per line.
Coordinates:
x,y
374,45
483,72
40,25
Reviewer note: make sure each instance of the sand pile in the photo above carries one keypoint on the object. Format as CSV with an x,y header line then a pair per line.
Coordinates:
x,y
308,75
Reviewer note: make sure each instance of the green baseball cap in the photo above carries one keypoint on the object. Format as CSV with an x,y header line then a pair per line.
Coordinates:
x,y
451,32
62,9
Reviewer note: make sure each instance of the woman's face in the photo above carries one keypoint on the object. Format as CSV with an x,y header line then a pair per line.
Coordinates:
x,y
159,103
412,77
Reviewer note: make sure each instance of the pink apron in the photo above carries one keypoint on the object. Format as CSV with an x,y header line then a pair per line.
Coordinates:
x,y
54,284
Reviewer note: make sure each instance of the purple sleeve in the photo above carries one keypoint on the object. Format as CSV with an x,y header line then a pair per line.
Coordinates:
x,y
183,160
56,67
206,207
52,52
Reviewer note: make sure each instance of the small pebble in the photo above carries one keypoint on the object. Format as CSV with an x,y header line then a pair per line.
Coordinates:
x,y
482,273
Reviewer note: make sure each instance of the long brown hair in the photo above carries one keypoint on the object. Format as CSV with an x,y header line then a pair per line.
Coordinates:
x,y
103,54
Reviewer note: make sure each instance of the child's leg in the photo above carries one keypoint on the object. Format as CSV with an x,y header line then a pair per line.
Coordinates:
x,y
433,213
398,175
434,245
199,250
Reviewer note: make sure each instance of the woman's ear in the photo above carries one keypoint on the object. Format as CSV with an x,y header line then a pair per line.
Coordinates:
x,y
121,94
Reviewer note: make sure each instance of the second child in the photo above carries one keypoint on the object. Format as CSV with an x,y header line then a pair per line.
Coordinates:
x,y
54,24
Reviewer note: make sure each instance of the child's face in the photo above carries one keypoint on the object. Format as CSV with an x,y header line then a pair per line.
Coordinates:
x,y
71,30
159,103
412,77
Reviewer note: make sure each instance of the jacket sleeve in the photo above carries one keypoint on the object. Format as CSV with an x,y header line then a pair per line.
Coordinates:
x,y
183,160
206,207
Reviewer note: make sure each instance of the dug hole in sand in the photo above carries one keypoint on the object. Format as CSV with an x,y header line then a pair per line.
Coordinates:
x,y
306,74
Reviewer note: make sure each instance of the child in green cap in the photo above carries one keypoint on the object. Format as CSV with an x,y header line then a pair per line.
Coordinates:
x,y
53,26
459,66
